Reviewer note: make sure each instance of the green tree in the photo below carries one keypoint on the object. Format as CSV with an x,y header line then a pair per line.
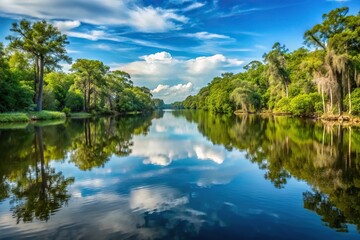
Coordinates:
x,y
45,43
14,95
246,97
277,69
338,36
89,77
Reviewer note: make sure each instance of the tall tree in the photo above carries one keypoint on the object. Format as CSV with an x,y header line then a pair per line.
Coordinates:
x,y
277,66
45,43
338,36
89,76
116,82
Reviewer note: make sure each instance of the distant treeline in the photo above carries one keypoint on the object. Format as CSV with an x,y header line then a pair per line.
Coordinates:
x,y
29,77
322,79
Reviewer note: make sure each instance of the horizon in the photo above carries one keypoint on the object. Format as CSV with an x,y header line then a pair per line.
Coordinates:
x,y
174,47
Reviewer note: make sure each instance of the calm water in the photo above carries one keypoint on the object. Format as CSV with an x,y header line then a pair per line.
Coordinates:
x,y
180,175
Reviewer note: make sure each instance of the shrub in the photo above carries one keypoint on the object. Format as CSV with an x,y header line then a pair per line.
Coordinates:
x,y
66,110
283,105
13,117
304,104
46,115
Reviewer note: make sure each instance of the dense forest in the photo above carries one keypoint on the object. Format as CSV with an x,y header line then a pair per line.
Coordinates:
x,y
320,79
30,78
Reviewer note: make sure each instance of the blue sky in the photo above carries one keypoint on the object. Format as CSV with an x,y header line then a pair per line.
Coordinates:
x,y
174,47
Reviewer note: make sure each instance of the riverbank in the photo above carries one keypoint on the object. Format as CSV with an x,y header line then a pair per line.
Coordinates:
x,y
30,116
344,119
23,117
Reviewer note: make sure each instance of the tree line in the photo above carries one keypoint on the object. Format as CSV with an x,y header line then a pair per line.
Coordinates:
x,y
323,78
30,78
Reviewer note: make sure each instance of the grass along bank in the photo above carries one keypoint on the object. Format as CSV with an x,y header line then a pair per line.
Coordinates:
x,y
30,116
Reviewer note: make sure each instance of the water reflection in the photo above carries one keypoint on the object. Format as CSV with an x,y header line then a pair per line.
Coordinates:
x,y
185,175
325,156
36,189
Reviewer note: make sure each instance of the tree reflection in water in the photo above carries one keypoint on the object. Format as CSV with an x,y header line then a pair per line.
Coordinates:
x,y
36,190
327,157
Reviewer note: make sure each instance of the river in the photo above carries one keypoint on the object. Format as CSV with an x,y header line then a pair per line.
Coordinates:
x,y
180,175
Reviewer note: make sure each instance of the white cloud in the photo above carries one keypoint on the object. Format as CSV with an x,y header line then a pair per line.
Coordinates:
x,y
175,78
101,47
208,153
206,36
194,6
163,57
66,25
151,19
94,35
160,160
172,93
160,88
156,199
99,12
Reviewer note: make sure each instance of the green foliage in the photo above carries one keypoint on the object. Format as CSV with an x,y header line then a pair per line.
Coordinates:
x,y
283,105
58,83
49,100
246,97
44,43
158,103
67,111
277,70
14,95
13,117
304,104
74,101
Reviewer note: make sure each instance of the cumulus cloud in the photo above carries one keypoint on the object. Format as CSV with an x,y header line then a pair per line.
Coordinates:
x,y
172,78
163,57
172,93
98,12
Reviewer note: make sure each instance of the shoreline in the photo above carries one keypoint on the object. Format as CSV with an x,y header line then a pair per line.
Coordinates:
x,y
345,119
31,117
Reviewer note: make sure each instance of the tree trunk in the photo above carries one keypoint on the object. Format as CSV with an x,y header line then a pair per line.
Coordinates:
x,y
349,91
286,90
340,94
84,105
42,161
340,104
331,100
323,98
88,98
41,83
36,79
